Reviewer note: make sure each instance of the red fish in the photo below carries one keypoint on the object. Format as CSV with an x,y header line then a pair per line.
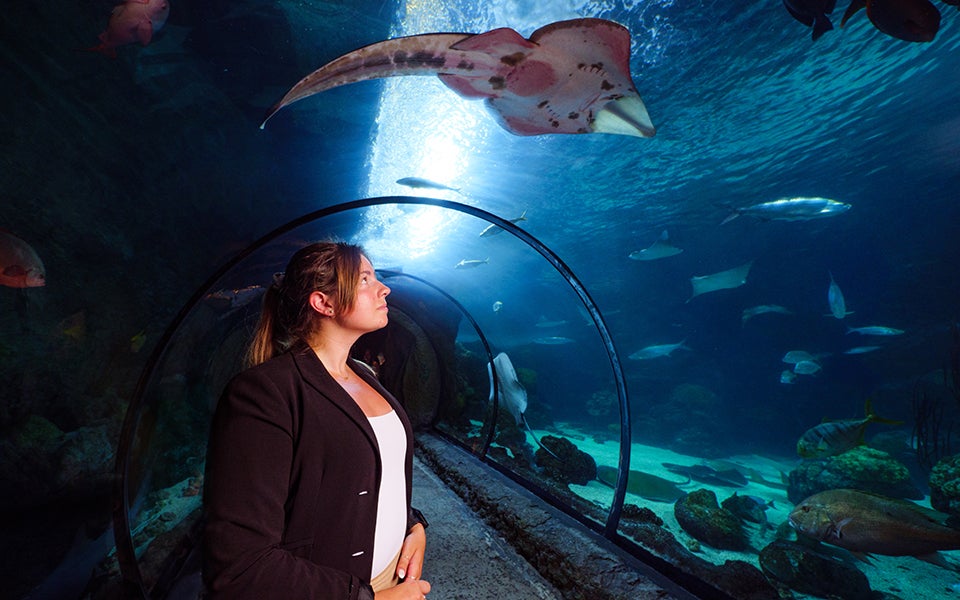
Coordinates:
x,y
132,21
20,267
812,13
569,77
907,20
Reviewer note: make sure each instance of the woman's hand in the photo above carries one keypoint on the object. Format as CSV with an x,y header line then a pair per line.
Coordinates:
x,y
410,565
409,589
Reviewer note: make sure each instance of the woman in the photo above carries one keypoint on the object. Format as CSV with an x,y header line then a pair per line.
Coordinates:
x,y
310,460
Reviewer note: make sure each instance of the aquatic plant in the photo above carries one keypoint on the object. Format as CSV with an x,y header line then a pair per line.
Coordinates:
x,y
931,438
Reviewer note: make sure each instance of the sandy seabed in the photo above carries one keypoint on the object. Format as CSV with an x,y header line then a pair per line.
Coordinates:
x,y
906,577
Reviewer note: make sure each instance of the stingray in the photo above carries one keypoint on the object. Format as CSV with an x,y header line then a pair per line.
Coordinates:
x,y
644,485
731,278
569,77
707,474
513,396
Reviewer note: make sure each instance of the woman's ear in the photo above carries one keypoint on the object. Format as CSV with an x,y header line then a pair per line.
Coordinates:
x,y
321,303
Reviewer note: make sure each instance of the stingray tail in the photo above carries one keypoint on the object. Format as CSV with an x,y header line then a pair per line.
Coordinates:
x,y
536,439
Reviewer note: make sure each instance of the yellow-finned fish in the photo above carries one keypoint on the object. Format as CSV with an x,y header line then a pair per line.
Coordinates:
x,y
866,523
836,437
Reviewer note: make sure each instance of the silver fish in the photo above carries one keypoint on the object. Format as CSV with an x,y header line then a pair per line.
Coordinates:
x,y
861,349
749,313
497,306
659,249
788,377
425,184
791,209
806,367
492,229
553,340
838,307
657,351
794,356
875,330
470,263
731,278
866,523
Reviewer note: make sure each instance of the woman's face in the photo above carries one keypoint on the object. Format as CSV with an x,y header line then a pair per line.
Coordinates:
x,y
369,312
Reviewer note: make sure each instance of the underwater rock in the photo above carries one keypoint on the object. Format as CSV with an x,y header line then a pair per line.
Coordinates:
x,y
945,485
860,468
699,514
806,571
573,466
640,514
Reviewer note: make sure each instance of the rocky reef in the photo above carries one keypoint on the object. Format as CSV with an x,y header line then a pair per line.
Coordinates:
x,y
860,468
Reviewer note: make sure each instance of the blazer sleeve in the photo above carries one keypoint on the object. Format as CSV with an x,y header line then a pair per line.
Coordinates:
x,y
246,486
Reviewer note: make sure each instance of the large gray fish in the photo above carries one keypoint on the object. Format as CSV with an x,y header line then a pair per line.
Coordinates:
x,y
657,351
836,437
866,523
569,77
791,209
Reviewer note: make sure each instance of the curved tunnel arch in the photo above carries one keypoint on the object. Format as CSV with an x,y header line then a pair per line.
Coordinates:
x,y
142,420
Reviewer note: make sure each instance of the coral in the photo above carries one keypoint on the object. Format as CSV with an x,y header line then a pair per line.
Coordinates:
x,y
573,466
945,485
860,468
699,515
806,571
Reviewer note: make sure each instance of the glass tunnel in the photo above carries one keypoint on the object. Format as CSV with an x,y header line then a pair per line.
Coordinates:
x,y
437,356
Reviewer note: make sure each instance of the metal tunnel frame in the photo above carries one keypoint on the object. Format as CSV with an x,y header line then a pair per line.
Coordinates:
x,y
130,570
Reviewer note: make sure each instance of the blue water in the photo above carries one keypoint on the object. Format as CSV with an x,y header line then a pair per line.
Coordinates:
x,y
135,179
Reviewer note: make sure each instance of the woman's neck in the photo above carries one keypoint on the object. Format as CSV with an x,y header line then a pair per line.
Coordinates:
x,y
333,352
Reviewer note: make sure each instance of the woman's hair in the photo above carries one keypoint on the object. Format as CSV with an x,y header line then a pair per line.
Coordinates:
x,y
332,268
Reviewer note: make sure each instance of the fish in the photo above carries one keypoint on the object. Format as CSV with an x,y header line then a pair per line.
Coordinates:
x,y
568,77
132,21
838,306
425,184
794,356
645,485
806,367
467,263
812,13
552,340
836,437
731,278
137,341
659,249
229,299
544,323
861,349
497,306
788,377
762,309
875,330
513,395
74,327
20,265
707,474
749,508
657,351
493,229
907,20
791,209
865,523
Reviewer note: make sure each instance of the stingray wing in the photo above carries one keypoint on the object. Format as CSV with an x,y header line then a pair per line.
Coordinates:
x,y
731,278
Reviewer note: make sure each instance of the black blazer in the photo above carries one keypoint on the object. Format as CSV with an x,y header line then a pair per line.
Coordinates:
x,y
291,484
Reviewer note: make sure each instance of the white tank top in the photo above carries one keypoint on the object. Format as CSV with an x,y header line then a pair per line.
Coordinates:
x,y
392,501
